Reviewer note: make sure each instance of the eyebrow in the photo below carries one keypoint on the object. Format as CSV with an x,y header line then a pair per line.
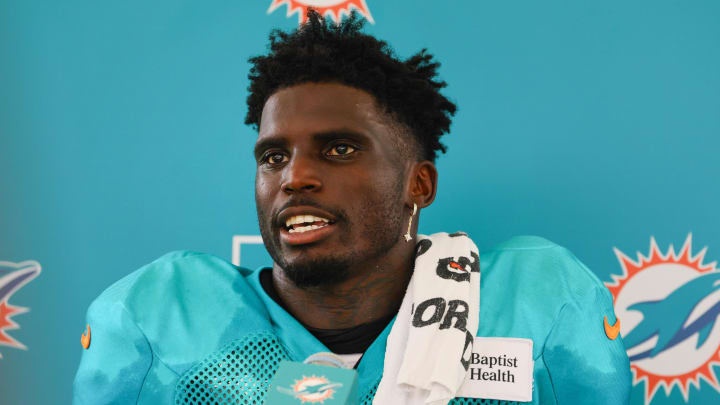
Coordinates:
x,y
323,137
327,136
267,143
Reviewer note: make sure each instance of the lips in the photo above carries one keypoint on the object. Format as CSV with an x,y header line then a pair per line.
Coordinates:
x,y
301,225
305,223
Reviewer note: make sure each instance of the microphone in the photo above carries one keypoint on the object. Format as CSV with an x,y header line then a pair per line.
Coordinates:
x,y
322,378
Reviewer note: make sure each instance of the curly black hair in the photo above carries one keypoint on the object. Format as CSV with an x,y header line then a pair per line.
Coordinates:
x,y
322,51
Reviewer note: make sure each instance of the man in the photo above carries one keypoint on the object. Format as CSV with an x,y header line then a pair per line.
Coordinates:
x,y
347,136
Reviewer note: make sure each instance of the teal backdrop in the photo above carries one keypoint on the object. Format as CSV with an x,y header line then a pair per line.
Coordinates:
x,y
595,124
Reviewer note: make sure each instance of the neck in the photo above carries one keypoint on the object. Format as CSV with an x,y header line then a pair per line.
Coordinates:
x,y
373,291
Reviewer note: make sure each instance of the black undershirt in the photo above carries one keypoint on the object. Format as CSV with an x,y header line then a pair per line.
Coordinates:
x,y
341,341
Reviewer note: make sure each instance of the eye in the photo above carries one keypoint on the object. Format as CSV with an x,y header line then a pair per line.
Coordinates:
x,y
275,158
341,150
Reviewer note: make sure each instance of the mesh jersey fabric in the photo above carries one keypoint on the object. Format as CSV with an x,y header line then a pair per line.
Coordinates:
x,y
190,328
240,374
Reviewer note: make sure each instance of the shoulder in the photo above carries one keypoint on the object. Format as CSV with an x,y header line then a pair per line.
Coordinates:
x,y
175,275
532,279
165,315
533,262
551,297
199,299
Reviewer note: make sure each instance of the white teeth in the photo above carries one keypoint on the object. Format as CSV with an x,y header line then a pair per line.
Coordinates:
x,y
300,219
306,228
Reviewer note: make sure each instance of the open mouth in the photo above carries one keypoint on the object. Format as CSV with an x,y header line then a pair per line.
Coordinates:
x,y
305,223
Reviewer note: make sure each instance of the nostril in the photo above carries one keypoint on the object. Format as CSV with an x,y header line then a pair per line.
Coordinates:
x,y
301,182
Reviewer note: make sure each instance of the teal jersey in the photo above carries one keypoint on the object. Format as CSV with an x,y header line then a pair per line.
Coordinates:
x,y
191,328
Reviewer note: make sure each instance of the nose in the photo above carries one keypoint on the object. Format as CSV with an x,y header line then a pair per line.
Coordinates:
x,y
301,175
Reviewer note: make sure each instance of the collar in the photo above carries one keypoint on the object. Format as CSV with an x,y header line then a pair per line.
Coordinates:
x,y
300,343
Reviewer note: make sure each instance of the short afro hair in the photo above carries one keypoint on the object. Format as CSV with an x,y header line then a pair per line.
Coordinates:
x,y
320,51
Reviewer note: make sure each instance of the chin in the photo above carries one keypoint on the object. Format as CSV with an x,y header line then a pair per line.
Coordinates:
x,y
316,272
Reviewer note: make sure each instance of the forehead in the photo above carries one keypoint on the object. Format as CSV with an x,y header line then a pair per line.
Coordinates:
x,y
317,107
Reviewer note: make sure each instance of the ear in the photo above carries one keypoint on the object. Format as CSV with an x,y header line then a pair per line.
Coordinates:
x,y
423,183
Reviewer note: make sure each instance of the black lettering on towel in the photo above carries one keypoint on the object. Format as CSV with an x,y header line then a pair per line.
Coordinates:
x,y
439,305
422,247
460,316
463,267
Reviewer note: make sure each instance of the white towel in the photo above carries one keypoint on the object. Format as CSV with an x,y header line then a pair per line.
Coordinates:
x,y
430,344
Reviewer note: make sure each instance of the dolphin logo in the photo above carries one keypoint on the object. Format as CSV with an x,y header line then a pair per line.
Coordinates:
x,y
12,277
310,390
667,318
15,275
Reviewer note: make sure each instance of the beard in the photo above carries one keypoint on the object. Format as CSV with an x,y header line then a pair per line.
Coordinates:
x,y
378,231
323,271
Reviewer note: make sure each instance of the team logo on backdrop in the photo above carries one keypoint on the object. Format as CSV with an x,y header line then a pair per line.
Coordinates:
x,y
669,305
12,277
311,389
333,8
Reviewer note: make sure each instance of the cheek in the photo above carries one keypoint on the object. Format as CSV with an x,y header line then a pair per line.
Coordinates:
x,y
260,183
262,194
378,202
265,184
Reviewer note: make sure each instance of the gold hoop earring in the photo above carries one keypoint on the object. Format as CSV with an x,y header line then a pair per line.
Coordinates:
x,y
407,236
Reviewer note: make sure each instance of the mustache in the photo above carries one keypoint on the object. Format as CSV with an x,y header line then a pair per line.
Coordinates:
x,y
308,202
